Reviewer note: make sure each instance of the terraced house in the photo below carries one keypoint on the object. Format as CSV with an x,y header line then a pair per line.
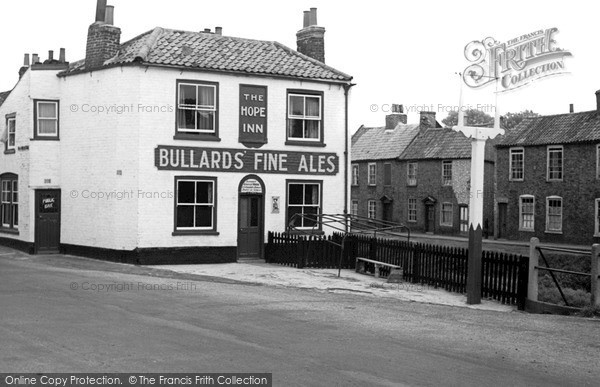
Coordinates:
x,y
548,173
417,175
174,146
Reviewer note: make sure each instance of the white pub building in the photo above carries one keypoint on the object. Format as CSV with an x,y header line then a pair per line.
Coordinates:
x,y
173,147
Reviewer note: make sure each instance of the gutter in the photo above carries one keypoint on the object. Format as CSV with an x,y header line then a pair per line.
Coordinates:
x,y
346,155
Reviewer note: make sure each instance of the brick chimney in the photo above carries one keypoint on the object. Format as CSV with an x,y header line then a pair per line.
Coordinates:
x,y
25,66
311,38
428,120
397,117
598,101
104,39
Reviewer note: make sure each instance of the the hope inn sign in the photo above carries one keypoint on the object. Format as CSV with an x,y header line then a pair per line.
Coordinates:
x,y
253,115
175,158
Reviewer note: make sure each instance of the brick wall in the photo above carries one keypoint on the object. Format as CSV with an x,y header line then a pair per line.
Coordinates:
x,y
579,189
311,42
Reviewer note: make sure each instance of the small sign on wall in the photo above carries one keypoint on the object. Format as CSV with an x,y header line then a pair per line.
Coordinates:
x,y
275,204
251,186
253,115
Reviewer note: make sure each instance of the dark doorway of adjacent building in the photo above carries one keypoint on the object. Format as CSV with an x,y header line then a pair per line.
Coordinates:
x,y
502,214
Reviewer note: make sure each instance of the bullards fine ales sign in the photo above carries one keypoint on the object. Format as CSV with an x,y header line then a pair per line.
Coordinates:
x,y
175,158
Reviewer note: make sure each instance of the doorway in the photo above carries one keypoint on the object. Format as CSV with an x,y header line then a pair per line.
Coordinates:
x,y
429,218
502,212
47,221
250,218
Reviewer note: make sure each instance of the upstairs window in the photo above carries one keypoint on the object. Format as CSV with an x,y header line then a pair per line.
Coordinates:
x,y
387,174
354,174
197,110
598,162
517,164
45,120
9,196
11,132
446,172
305,123
555,163
412,174
372,175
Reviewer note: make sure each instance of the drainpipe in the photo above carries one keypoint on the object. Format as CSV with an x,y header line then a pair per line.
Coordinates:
x,y
346,188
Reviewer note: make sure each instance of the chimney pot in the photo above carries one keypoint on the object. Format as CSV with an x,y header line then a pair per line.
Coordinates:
x,y
26,60
109,18
51,55
207,30
313,16
219,30
571,108
306,19
62,58
35,59
101,11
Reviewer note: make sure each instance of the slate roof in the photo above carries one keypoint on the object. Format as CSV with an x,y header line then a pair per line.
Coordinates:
x,y
381,144
443,143
201,50
3,96
555,129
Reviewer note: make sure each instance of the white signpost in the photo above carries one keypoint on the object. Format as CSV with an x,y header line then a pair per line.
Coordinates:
x,y
478,137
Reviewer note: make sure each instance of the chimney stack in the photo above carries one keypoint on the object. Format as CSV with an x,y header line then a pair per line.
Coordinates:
x,y
311,38
571,108
25,66
104,39
428,120
397,117
219,30
598,101
35,59
63,57
51,55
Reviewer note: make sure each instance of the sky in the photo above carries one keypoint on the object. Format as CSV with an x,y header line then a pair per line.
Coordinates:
x,y
398,52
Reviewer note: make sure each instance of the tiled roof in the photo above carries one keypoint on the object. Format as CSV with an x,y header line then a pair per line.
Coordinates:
x,y
382,144
3,96
443,143
556,129
218,53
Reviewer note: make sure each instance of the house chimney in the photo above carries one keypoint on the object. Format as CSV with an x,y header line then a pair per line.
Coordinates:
x,y
311,38
51,55
35,59
104,40
207,30
571,108
219,30
397,117
427,120
25,66
26,60
63,57
110,15
598,101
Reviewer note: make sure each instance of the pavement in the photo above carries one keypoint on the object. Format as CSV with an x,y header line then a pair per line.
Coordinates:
x,y
326,280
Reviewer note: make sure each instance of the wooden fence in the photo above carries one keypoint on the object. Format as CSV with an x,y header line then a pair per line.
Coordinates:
x,y
504,276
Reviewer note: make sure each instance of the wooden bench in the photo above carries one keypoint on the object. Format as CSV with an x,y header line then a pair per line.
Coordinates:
x,y
360,265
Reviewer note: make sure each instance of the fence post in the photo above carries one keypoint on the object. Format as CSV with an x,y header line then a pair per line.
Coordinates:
x,y
300,253
373,249
595,288
534,258
269,246
522,282
415,265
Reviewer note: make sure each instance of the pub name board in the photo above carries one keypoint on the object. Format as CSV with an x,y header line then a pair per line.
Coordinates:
x,y
253,115
177,158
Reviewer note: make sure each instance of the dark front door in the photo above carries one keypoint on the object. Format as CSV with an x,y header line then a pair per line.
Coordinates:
x,y
429,218
250,226
387,211
47,221
502,220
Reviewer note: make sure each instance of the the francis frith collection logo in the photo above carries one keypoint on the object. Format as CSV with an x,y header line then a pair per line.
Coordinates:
x,y
516,62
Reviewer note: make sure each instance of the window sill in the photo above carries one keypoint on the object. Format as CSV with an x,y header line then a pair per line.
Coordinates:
x,y
195,232
446,225
553,232
526,230
12,231
554,180
305,143
411,221
516,180
45,139
372,185
10,151
196,137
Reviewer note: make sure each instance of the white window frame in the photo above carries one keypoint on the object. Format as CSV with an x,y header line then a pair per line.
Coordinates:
x,y
304,117
8,133
213,183
451,213
9,198
372,177
197,108
355,174
445,180
354,208
38,119
550,149
513,151
598,161
303,205
548,199
463,222
372,209
412,210
411,179
521,227
597,218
